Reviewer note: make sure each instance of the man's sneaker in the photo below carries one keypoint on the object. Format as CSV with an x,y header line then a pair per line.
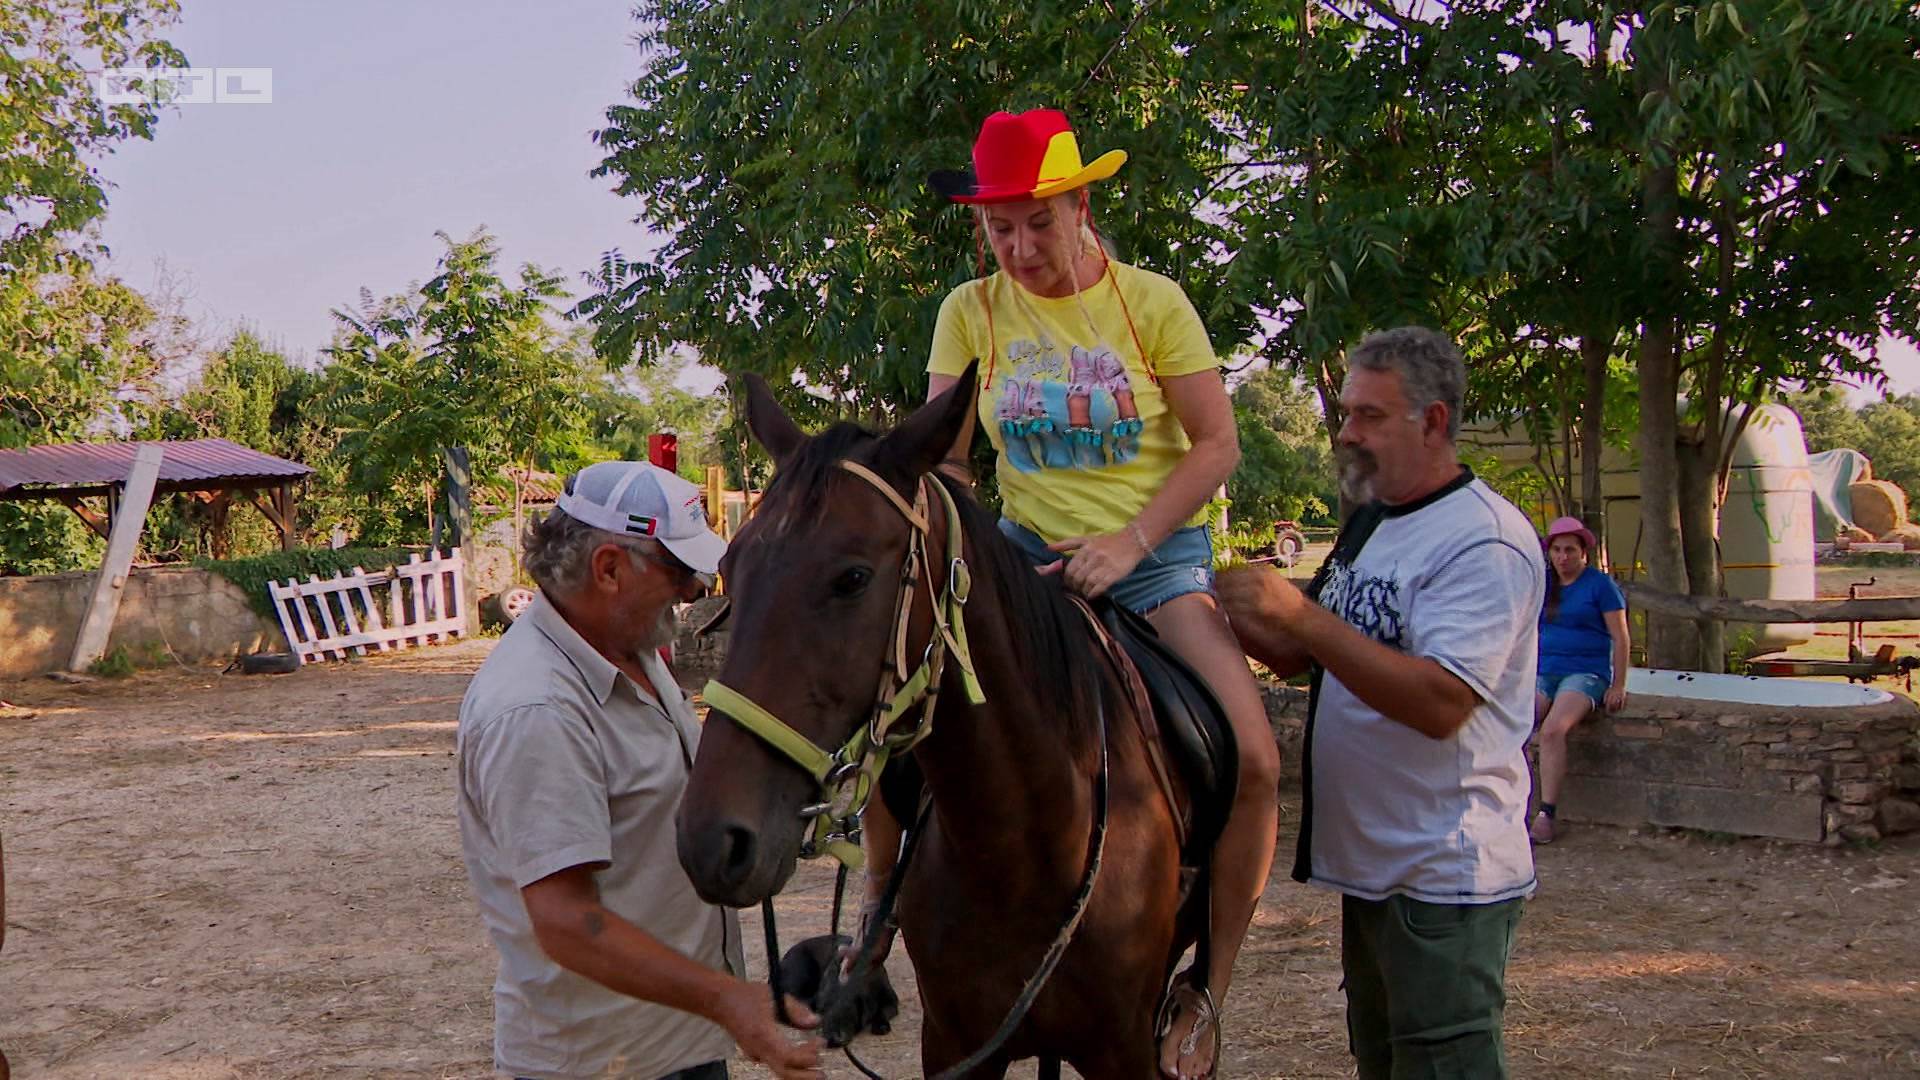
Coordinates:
x,y
1542,829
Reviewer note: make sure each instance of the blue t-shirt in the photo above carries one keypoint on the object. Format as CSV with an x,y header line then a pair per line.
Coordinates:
x,y
1576,642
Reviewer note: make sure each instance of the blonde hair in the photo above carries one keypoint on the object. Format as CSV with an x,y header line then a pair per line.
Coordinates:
x,y
1067,224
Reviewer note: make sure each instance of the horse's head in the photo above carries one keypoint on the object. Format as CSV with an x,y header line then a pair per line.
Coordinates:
x,y
815,582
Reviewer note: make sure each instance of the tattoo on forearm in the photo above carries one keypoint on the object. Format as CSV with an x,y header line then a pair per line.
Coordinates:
x,y
595,922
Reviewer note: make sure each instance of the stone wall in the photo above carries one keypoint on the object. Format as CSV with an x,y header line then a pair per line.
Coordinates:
x,y
191,613
1813,774
1818,775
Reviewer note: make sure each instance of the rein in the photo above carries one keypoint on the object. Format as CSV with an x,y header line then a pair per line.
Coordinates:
x,y
852,773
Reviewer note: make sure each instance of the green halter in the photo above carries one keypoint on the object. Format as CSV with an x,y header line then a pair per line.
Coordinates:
x,y
854,770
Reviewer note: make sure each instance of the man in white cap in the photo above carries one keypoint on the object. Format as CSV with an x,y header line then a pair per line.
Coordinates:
x,y
574,747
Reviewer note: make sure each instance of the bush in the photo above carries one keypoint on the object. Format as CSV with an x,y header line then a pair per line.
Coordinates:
x,y
253,573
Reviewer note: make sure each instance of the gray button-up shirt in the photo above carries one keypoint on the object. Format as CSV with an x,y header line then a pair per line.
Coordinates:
x,y
565,761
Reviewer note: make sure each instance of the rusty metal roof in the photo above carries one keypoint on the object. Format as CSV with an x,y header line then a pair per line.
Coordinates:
x,y
187,465
537,488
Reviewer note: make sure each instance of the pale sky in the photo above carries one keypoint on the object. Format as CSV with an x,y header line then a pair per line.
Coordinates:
x,y
390,120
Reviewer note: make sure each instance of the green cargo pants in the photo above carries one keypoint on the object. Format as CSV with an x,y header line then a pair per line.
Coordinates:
x,y
1426,987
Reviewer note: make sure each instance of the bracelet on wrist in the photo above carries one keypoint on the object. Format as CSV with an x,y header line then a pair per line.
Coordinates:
x,y
1139,537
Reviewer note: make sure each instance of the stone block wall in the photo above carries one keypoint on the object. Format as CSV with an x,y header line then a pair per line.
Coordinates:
x,y
1812,774
191,613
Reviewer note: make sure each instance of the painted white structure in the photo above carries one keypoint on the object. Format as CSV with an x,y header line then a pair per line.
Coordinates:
x,y
1766,522
326,620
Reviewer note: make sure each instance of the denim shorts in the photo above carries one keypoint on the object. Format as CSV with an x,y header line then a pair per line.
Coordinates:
x,y
1552,686
1182,564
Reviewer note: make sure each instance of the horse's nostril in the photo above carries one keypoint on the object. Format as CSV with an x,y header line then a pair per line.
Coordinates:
x,y
739,853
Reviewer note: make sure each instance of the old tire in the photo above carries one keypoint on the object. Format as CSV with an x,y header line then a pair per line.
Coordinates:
x,y
505,607
1287,546
268,663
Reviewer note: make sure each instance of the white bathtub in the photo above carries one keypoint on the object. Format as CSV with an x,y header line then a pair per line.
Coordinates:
x,y
1753,690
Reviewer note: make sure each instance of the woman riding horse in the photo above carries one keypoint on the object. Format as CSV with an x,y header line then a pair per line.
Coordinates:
x,y
1104,401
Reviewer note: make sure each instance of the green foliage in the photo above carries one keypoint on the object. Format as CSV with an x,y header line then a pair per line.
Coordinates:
x,y
624,408
44,538
54,125
782,148
253,572
468,359
251,395
1521,485
120,661
116,664
1286,467
75,355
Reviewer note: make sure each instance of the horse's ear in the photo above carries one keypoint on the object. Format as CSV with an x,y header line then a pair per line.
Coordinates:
x,y
771,426
922,440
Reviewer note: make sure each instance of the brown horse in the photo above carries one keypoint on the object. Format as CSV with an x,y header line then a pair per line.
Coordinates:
x,y
815,579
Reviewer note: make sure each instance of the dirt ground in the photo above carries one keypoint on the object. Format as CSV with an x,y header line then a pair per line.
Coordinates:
x,y
218,876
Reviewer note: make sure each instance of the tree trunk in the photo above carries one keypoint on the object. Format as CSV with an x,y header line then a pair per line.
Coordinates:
x,y
1699,471
1670,643
1595,351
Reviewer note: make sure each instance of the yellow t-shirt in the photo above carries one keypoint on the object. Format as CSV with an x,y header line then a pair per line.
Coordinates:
x,y
1085,436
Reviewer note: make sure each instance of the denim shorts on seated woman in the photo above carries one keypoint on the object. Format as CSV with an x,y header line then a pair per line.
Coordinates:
x,y
1182,564
1593,686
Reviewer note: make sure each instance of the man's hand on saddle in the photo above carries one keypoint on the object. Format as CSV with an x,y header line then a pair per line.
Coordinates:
x,y
1094,564
1264,608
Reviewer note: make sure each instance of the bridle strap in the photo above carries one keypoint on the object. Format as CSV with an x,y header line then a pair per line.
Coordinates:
x,y
817,762
914,517
903,688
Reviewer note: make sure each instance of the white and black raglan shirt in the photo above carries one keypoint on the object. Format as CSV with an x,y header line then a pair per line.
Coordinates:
x,y
1456,577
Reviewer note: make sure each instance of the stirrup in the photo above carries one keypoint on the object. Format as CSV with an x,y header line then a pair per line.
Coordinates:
x,y
1206,1019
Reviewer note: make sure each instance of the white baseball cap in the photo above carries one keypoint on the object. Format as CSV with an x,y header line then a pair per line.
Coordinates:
x,y
637,498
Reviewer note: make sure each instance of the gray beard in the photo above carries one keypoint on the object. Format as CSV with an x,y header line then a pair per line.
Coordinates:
x,y
1356,477
663,632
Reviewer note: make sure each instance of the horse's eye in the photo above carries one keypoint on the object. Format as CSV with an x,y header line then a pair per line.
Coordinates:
x,y
852,581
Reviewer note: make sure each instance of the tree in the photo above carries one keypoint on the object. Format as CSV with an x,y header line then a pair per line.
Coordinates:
x,y
1286,470
466,360
626,407
1724,191
81,358
252,395
781,149
55,126
78,355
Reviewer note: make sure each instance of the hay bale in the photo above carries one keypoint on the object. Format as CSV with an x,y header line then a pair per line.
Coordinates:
x,y
1907,536
1878,506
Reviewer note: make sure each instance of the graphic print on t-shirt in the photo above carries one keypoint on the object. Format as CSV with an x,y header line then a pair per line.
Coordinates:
x,y
1066,412
1367,603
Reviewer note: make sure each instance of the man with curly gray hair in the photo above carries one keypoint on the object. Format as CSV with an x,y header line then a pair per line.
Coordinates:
x,y
1420,633
574,746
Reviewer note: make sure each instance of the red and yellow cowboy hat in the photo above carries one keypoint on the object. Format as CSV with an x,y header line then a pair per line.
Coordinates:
x,y
1019,156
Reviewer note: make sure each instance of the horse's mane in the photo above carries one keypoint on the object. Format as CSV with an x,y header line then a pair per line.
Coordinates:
x,y
1043,625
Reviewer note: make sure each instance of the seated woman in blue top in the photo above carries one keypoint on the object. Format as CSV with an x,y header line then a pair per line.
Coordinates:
x,y
1583,656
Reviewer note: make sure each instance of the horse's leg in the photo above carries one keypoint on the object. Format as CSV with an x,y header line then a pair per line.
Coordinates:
x,y
1049,1068
939,1051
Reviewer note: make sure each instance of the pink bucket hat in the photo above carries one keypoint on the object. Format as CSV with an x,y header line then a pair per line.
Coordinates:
x,y
1570,526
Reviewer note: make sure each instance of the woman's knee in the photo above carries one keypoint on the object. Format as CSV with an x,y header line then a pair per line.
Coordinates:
x,y
1567,712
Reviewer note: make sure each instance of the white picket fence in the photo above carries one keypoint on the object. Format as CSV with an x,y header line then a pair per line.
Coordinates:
x,y
424,604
